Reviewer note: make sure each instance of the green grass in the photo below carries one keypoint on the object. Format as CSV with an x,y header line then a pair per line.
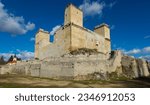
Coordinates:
x,y
12,81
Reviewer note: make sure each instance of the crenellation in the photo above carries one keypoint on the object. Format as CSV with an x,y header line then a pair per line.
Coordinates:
x,y
101,25
78,53
72,36
42,30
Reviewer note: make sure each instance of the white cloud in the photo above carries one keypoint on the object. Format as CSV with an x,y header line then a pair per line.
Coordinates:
x,y
112,4
92,8
143,53
121,49
146,50
133,51
6,55
32,39
55,29
13,24
24,55
30,26
147,37
146,57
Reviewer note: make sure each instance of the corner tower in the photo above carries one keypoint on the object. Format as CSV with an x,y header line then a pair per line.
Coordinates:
x,y
41,40
73,15
104,30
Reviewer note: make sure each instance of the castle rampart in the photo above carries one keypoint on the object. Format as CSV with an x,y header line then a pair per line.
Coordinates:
x,y
73,36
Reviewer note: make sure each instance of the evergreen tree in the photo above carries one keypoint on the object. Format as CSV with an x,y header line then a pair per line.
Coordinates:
x,y
18,59
2,61
10,59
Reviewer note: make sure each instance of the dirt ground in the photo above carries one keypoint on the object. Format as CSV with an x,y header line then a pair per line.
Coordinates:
x,y
14,81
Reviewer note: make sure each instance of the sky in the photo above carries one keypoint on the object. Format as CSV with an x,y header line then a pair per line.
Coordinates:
x,y
129,21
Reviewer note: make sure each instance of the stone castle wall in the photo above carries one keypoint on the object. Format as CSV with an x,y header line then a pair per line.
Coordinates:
x,y
73,15
42,39
72,36
59,47
75,67
84,38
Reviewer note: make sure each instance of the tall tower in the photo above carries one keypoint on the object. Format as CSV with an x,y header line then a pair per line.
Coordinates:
x,y
104,30
41,40
73,15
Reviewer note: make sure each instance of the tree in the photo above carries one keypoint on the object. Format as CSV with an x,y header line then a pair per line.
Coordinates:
x,y
10,59
2,61
18,59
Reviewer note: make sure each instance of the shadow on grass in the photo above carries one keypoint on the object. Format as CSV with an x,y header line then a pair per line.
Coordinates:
x,y
143,82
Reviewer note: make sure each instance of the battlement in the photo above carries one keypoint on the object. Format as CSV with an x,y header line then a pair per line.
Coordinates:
x,y
72,36
101,25
42,30
70,4
73,15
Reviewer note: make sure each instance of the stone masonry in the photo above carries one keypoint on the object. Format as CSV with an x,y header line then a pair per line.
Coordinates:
x,y
78,53
81,67
72,36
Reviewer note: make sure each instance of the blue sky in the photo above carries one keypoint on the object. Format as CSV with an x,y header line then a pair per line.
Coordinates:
x,y
129,21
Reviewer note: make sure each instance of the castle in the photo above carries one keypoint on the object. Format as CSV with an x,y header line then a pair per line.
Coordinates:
x,y
56,60
72,36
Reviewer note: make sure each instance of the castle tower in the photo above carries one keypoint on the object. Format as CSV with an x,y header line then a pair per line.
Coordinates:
x,y
104,30
41,40
73,15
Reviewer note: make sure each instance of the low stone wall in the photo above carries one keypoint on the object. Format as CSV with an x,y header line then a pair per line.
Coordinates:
x,y
81,67
5,69
58,67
